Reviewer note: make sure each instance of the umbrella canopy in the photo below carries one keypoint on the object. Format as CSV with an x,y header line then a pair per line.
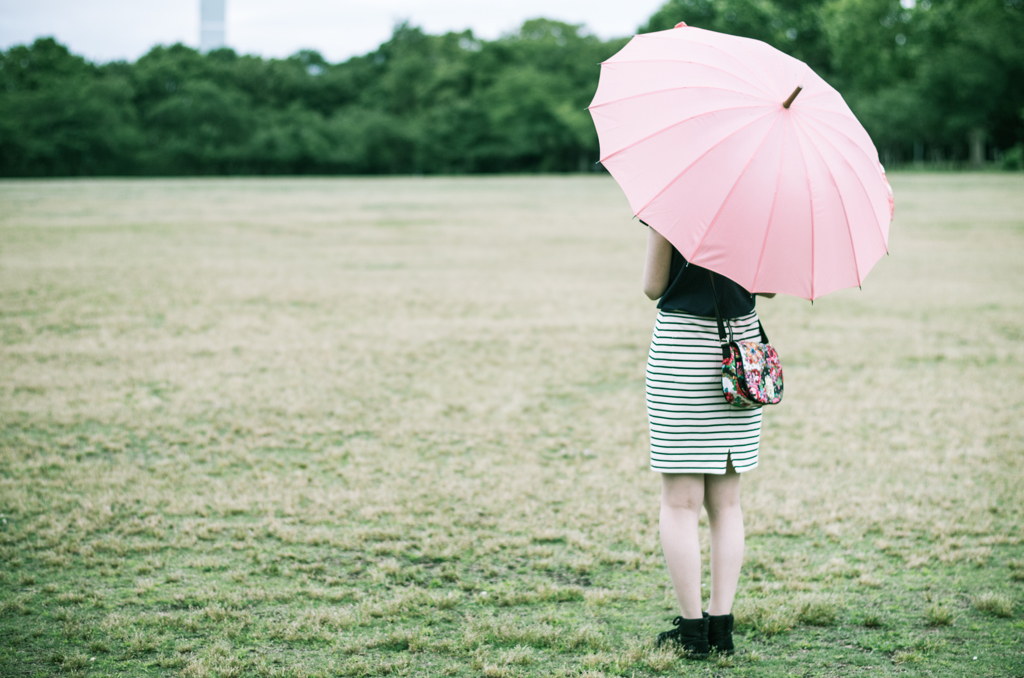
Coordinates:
x,y
703,133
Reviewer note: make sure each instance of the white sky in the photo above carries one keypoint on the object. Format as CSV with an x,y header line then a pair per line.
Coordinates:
x,y
105,30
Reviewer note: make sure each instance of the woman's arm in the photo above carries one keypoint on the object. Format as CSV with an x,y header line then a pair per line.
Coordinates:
x,y
657,265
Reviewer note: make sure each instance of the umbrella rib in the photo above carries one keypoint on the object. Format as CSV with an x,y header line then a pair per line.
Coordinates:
x,y
657,91
739,61
733,57
779,65
810,196
846,216
768,95
675,124
690,166
857,146
736,183
844,134
770,82
771,217
863,188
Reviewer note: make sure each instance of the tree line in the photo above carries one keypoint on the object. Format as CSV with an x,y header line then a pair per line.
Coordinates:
x,y
933,81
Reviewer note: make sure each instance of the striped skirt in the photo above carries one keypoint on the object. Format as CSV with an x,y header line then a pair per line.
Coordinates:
x,y
693,429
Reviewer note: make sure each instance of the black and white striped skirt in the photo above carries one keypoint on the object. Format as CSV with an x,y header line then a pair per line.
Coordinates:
x,y
693,429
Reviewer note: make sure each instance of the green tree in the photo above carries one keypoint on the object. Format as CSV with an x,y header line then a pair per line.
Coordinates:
x,y
940,79
973,70
60,116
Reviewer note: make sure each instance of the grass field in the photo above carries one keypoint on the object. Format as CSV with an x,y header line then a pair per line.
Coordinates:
x,y
356,427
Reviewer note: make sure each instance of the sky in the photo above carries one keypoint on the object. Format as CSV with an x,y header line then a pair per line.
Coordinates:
x,y
108,30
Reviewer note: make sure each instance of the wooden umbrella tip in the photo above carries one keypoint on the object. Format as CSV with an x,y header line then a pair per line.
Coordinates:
x,y
789,101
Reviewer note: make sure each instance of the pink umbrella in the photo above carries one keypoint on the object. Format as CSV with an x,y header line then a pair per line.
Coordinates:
x,y
744,159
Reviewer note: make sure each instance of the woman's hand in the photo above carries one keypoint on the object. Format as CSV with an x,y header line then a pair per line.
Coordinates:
x,y
658,264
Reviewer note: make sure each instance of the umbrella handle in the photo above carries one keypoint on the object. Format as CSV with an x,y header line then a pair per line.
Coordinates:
x,y
787,102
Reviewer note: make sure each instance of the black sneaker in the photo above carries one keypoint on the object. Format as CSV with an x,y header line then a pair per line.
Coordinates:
x,y
689,635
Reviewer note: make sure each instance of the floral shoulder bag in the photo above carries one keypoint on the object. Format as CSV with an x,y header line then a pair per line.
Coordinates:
x,y
751,370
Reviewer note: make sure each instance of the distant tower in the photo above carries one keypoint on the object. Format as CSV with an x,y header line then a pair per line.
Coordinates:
x,y
211,24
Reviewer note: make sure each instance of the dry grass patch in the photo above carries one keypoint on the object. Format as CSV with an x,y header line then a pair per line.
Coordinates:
x,y
507,632
907,657
872,620
870,581
818,609
769,617
939,614
520,655
1016,570
993,603
635,656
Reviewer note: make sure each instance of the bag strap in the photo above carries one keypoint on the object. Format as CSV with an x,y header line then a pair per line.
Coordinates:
x,y
718,316
721,324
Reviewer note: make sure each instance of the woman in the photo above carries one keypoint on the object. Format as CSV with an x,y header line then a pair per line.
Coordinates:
x,y
699,443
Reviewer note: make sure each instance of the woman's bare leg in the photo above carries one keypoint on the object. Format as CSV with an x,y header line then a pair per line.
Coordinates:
x,y
722,501
681,497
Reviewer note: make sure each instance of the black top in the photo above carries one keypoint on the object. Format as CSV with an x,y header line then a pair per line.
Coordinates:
x,y
689,291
